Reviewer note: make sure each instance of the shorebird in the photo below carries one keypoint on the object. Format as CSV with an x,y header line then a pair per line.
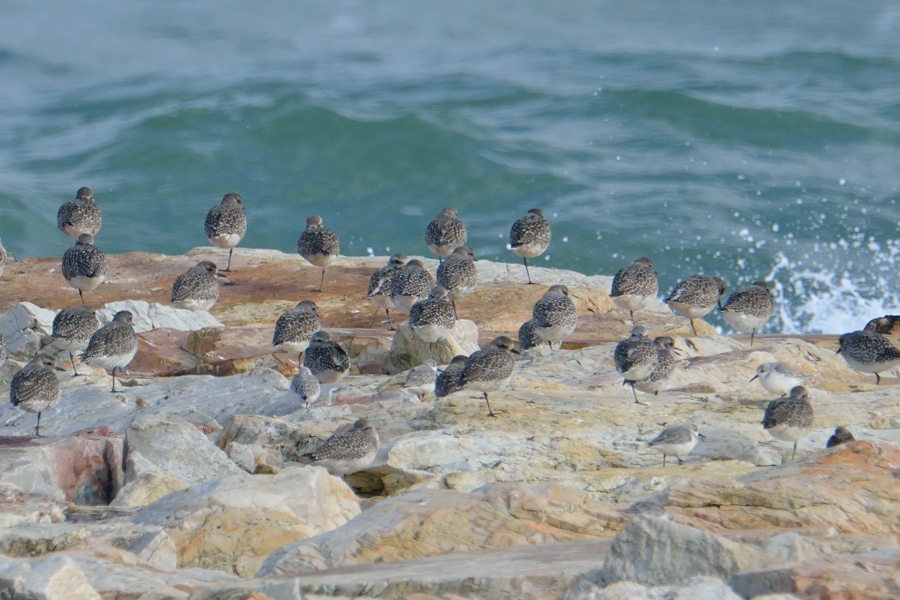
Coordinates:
x,y
665,365
489,369
779,378
318,245
81,215
432,318
789,419
445,233
458,274
84,265
633,285
306,386
410,285
747,309
348,451
35,387
868,352
676,440
447,381
529,237
294,328
886,325
696,296
73,328
636,358
112,346
379,291
528,337
226,224
420,379
553,316
327,361
197,288
840,436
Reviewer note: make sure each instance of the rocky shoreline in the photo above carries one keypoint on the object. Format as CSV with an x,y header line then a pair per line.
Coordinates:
x,y
187,484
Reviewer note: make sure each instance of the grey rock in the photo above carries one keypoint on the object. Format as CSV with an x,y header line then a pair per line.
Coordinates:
x,y
47,578
408,350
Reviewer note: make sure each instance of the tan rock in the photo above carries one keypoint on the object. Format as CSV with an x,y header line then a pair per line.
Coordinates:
x,y
233,524
47,578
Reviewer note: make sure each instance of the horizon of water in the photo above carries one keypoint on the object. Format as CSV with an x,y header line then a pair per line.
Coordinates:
x,y
755,141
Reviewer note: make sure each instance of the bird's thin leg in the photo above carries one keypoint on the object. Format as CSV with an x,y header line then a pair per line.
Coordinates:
x,y
390,323
631,312
81,295
114,379
72,358
453,303
664,460
322,283
752,333
794,453
490,412
527,272
228,268
38,428
678,458
693,327
877,379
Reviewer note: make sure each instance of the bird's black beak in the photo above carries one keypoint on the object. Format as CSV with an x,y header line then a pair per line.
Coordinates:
x,y
701,436
838,351
754,377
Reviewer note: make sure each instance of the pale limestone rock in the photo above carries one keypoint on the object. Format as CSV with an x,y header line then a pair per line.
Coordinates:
x,y
45,578
27,470
431,522
653,551
408,351
145,483
232,524
696,588
149,316
18,507
26,329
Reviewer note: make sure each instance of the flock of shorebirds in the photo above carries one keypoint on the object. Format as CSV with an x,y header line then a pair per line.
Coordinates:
x,y
405,286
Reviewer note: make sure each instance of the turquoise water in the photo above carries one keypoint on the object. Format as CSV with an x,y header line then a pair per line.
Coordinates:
x,y
759,140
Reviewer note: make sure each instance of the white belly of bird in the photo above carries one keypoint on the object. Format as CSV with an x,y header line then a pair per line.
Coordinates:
x,y
86,284
554,333
226,240
650,387
403,303
691,311
196,304
779,383
630,302
116,361
330,376
879,367
343,466
430,333
743,321
382,301
461,292
488,385
293,347
786,433
638,372
442,251
529,250
320,260
679,450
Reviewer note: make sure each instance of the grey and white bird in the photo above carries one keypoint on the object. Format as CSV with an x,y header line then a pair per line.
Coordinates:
x,y
779,378
696,296
554,316
295,328
458,274
636,358
528,336
318,245
676,440
748,308
379,291
490,369
3,259
447,381
432,318
327,361
197,288
529,237
226,224
305,385
789,419
84,265
445,233
112,346
868,352
81,215
634,285
410,285
35,387
665,365
420,379
840,436
73,328
347,451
